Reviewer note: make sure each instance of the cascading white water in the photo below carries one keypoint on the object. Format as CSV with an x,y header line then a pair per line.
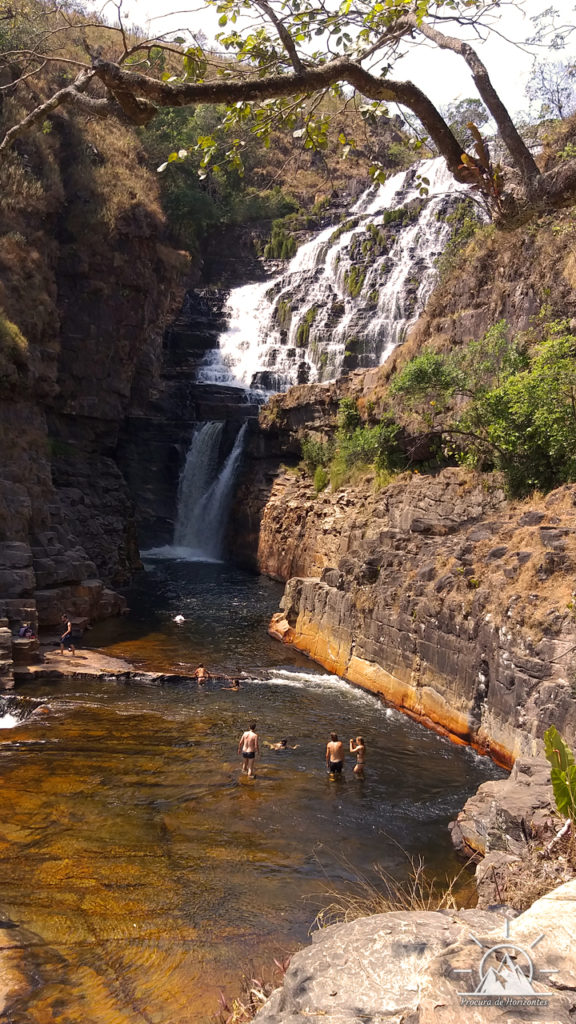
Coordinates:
x,y
198,475
9,721
354,288
211,513
204,496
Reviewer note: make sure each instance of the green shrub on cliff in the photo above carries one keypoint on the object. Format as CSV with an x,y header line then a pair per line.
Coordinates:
x,y
321,479
562,773
13,351
518,404
315,453
356,448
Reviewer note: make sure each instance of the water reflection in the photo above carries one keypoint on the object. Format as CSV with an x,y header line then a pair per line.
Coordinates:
x,y
149,870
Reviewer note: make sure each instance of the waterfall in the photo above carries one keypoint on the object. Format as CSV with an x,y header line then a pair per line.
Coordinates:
x,y
204,496
198,475
348,296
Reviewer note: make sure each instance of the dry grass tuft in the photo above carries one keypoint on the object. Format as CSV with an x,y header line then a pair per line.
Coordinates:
x,y
419,891
13,352
540,870
256,987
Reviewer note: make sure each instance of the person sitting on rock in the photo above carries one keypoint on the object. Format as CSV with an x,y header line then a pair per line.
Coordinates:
x,y
66,637
26,632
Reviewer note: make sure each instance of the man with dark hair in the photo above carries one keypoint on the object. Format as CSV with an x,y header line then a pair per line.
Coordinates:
x,y
249,748
66,637
334,755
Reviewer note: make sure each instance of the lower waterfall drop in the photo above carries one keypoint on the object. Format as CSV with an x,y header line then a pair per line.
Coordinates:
x,y
205,494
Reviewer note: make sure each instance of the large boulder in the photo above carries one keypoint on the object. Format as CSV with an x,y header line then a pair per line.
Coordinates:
x,y
415,967
504,815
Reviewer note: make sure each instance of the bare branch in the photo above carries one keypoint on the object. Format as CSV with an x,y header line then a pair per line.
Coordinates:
x,y
70,94
516,146
23,78
284,34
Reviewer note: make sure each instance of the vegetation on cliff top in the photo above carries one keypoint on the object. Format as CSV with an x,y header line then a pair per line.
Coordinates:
x,y
280,66
500,403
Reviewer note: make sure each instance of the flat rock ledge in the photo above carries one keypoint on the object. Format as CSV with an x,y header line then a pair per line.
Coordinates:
x,y
402,968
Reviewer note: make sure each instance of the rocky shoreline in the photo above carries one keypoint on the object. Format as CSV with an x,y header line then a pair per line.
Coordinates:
x,y
451,602
416,967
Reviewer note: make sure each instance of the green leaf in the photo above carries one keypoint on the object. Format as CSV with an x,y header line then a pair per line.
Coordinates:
x,y
557,752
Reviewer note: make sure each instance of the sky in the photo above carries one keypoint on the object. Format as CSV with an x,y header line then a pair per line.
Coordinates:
x,y
442,75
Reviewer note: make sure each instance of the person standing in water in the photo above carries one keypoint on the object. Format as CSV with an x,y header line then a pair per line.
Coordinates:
x,y
249,748
334,755
200,674
358,747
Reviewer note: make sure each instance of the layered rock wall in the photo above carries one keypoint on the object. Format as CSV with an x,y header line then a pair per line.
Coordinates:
x,y
86,286
437,593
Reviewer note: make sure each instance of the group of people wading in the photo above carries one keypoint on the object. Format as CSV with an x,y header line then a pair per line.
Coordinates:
x,y
249,749
249,743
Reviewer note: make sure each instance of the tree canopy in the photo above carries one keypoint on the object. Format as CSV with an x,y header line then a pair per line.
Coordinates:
x,y
276,62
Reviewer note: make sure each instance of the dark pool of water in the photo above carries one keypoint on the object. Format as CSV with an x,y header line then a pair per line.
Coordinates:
x,y
151,872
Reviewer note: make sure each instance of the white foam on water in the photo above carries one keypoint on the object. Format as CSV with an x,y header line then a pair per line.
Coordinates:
x,y
178,554
9,721
317,681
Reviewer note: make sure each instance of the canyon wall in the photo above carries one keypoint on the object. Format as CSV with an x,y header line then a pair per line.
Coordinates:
x,y
437,594
86,286
437,591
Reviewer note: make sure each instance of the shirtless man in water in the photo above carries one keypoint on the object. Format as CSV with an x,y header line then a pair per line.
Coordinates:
x,y
201,675
249,747
334,755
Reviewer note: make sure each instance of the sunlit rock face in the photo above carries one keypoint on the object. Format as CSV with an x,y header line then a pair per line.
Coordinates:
x,y
415,965
436,593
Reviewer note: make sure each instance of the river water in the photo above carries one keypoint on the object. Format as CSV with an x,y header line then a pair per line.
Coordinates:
x,y
149,871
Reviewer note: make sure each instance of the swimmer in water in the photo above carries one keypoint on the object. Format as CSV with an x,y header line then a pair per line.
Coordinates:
x,y
200,674
235,686
358,747
281,745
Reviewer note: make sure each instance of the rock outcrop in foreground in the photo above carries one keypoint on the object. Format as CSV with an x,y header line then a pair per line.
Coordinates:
x,y
401,968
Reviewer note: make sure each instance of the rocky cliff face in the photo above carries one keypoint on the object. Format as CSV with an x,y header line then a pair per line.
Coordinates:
x,y
438,595
453,602
84,301
436,591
